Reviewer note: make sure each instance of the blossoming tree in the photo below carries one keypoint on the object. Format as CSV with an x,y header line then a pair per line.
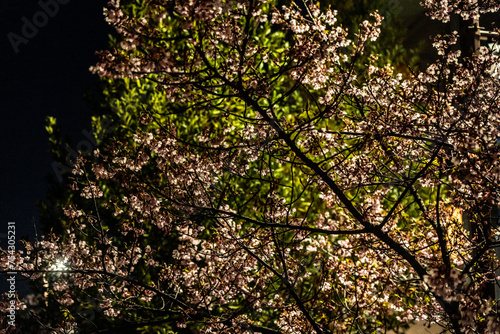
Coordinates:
x,y
309,198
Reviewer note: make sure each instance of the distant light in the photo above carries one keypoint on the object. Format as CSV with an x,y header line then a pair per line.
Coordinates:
x,y
60,265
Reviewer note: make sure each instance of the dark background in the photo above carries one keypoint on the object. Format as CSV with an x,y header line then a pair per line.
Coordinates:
x,y
47,76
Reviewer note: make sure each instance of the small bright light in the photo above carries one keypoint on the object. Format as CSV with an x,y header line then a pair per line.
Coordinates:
x,y
61,264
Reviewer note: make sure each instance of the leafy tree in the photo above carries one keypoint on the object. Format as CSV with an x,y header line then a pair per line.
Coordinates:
x,y
281,184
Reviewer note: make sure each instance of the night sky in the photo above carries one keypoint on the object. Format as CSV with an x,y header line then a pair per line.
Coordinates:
x,y
46,75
